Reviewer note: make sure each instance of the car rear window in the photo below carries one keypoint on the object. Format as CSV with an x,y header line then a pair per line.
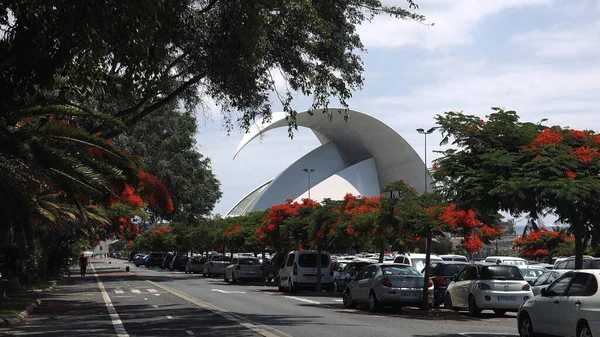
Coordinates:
x,y
400,270
451,269
220,258
249,262
501,273
310,260
532,272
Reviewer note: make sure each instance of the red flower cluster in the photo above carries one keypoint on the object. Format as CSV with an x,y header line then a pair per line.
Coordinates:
x,y
570,175
547,137
232,230
541,243
472,243
155,192
129,197
585,153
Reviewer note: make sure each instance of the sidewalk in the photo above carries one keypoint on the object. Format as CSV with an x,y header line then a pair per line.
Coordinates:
x,y
74,308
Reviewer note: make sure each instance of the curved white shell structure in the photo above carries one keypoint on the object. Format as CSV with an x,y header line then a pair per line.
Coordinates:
x,y
358,156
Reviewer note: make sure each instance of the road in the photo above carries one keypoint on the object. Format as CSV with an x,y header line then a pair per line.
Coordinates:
x,y
155,302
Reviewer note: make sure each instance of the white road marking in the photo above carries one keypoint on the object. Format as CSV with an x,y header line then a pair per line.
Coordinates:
x,y
189,332
228,292
262,330
152,290
114,316
302,299
486,333
136,291
119,291
170,317
339,300
145,298
154,305
156,294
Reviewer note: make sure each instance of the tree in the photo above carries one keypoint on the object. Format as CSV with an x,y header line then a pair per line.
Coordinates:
x,y
130,61
543,243
519,167
166,142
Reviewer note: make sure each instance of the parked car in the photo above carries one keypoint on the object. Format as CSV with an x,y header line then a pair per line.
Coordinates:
x,y
277,262
459,258
178,263
300,271
568,307
569,263
244,268
215,265
132,255
386,284
531,272
166,262
154,260
545,280
349,270
140,259
416,260
480,287
515,261
195,265
442,273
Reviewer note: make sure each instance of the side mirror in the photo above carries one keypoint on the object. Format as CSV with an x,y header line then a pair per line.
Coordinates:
x,y
455,278
530,282
544,292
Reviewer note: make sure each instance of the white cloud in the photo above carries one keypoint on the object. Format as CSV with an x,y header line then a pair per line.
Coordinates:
x,y
579,42
454,24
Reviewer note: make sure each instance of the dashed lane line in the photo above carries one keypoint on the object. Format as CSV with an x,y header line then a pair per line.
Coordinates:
x,y
136,291
152,290
189,332
261,329
114,316
119,291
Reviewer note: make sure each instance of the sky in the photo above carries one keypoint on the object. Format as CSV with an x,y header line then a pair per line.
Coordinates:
x,y
538,57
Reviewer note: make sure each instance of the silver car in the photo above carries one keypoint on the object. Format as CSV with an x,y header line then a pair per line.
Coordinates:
x,y
215,265
386,284
244,268
545,280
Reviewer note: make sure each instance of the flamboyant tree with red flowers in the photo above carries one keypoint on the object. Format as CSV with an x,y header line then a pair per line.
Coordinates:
x,y
542,244
502,164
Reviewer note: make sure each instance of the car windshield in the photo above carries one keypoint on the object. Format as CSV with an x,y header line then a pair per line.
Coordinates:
x,y
400,270
501,273
220,258
532,272
253,262
310,260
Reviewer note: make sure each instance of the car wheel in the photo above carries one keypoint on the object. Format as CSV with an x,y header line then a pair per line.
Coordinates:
x,y
291,288
525,327
347,299
585,331
499,312
373,303
448,302
473,308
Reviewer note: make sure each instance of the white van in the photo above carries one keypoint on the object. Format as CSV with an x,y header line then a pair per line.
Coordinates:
x,y
416,260
515,261
299,271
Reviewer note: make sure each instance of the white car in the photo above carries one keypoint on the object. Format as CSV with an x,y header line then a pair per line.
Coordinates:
x,y
568,307
244,268
478,287
300,271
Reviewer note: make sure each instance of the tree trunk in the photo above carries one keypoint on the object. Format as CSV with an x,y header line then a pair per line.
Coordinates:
x,y
319,267
425,304
579,246
381,250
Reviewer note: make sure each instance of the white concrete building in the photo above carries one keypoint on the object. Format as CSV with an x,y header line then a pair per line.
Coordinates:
x,y
359,156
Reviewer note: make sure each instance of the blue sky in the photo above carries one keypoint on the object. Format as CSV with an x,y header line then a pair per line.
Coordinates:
x,y
538,57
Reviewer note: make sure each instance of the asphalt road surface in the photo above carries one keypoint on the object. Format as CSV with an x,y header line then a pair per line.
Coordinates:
x,y
155,302
174,300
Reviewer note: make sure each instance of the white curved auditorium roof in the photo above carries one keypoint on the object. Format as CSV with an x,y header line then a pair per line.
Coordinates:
x,y
361,156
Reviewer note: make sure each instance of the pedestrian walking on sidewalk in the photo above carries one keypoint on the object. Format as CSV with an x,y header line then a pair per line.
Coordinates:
x,y
83,261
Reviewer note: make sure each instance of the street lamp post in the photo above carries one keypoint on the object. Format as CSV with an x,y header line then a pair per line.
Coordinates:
x,y
309,170
425,304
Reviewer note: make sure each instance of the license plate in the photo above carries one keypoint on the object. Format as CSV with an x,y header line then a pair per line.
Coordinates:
x,y
507,298
410,295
